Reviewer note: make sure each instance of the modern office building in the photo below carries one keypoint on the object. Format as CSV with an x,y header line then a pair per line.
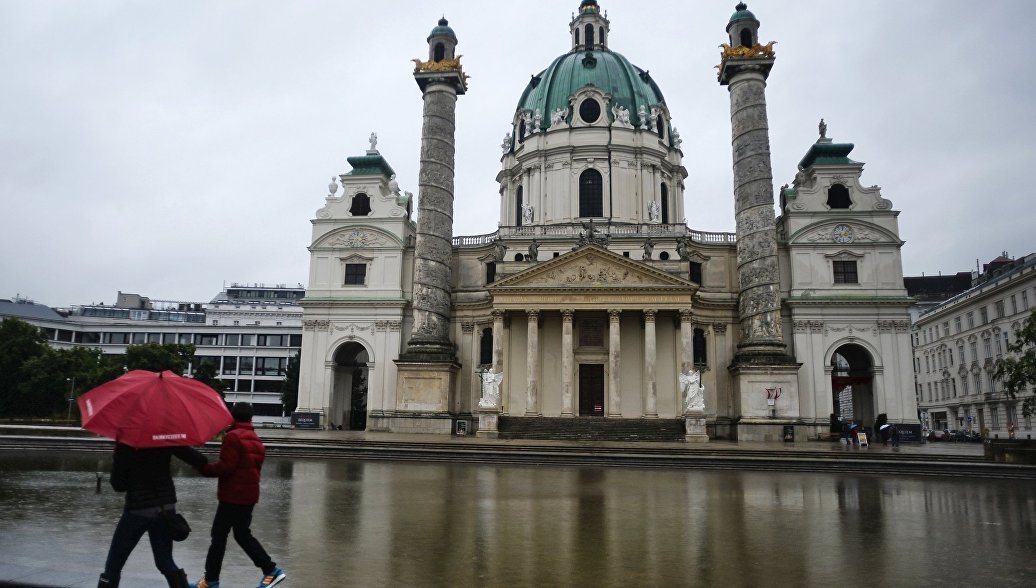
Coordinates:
x,y
957,343
248,332
595,299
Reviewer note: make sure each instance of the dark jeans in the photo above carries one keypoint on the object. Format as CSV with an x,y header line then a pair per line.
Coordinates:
x,y
128,532
236,517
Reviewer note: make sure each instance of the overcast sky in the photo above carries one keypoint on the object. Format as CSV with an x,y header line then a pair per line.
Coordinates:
x,y
164,148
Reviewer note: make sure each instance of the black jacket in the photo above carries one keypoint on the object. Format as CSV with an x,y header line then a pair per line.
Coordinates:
x,y
143,474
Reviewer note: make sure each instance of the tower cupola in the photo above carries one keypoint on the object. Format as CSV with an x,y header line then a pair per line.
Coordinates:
x,y
589,28
743,27
442,42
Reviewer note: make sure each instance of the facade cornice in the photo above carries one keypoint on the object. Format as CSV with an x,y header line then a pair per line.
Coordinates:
x,y
853,301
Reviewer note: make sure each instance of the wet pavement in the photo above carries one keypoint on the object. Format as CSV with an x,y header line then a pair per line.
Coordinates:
x,y
332,522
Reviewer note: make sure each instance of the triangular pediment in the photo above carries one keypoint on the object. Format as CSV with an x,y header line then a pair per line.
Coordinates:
x,y
591,267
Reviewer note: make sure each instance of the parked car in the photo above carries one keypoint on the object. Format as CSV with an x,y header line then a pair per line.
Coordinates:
x,y
938,435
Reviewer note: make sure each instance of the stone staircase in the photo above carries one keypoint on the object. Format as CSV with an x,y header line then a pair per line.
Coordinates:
x,y
591,429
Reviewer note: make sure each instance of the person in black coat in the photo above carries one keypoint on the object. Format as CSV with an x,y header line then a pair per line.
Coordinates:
x,y
143,474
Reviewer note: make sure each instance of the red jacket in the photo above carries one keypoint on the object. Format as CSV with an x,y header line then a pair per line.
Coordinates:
x,y
239,466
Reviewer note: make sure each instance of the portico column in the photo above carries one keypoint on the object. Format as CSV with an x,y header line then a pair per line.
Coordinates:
x,y
686,341
533,364
498,349
566,362
614,377
650,389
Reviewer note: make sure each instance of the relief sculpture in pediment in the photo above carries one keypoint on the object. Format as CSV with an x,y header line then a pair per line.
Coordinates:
x,y
592,271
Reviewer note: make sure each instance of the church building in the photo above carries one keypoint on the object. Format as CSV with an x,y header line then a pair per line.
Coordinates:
x,y
594,303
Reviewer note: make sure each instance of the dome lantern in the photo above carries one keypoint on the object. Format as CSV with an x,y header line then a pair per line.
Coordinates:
x,y
589,28
442,42
743,27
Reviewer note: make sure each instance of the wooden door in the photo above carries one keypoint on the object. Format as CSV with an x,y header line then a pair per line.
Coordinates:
x,y
591,389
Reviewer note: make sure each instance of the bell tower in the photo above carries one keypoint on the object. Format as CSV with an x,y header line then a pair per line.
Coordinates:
x,y
761,364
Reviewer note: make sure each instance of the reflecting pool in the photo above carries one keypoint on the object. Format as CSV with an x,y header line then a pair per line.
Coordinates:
x,y
334,522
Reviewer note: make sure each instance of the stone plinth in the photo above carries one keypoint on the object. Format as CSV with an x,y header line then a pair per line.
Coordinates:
x,y
694,424
425,387
488,420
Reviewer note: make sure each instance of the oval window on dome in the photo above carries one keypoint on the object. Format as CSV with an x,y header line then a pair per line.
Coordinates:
x,y
589,111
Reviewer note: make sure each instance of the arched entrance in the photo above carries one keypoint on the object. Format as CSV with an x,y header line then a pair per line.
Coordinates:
x,y
349,393
852,382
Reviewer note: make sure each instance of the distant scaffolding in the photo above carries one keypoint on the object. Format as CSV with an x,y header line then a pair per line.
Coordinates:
x,y
845,403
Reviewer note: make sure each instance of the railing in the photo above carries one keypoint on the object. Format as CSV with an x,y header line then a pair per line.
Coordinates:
x,y
573,230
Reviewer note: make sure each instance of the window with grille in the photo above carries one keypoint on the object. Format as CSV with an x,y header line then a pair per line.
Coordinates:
x,y
845,272
355,274
591,194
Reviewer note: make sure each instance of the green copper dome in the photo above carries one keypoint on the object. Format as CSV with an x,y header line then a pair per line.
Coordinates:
x,y
742,13
443,30
627,84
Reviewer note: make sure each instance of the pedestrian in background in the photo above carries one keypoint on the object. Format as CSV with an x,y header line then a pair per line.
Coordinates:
x,y
239,470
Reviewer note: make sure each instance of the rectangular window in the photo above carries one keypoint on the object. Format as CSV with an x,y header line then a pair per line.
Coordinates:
x,y
978,383
247,340
1014,304
998,307
229,365
974,351
205,339
355,274
244,367
845,272
960,354
295,341
988,348
946,329
139,338
1025,300
999,347
270,340
956,325
232,339
695,272
244,385
168,338
964,385
953,382
994,415
983,314
927,365
116,338
971,320
930,392
269,366
184,339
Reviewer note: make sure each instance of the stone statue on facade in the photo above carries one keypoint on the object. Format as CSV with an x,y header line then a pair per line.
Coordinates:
x,y
374,141
621,115
677,141
681,249
823,129
490,389
557,118
527,118
499,250
527,214
642,114
537,120
649,248
693,391
393,185
654,215
534,250
505,146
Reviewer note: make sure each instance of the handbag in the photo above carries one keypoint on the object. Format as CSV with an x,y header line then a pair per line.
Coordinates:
x,y
175,524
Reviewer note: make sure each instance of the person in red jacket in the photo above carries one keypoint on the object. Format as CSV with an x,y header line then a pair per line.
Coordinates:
x,y
238,469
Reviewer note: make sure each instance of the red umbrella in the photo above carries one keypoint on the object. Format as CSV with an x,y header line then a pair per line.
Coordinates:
x,y
145,409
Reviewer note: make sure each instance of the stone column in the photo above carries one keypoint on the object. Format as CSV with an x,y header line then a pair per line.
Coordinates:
x,y
532,364
686,342
567,359
759,302
498,341
614,367
650,389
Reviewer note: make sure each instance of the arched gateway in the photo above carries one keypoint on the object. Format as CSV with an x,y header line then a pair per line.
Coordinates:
x,y
349,387
852,382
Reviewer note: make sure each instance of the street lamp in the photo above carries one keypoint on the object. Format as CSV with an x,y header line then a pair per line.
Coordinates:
x,y
71,395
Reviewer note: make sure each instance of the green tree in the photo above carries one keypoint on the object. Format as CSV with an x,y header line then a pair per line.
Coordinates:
x,y
290,386
207,374
1018,371
156,357
19,342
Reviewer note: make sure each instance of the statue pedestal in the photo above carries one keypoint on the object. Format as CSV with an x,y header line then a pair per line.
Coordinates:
x,y
487,423
694,424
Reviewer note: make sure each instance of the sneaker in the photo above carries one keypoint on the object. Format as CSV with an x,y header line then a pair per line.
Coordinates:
x,y
203,583
272,578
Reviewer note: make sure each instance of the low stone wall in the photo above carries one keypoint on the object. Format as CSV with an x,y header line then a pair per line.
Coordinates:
x,y
1013,451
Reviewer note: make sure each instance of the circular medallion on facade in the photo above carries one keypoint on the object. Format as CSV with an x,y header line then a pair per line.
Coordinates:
x,y
842,234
